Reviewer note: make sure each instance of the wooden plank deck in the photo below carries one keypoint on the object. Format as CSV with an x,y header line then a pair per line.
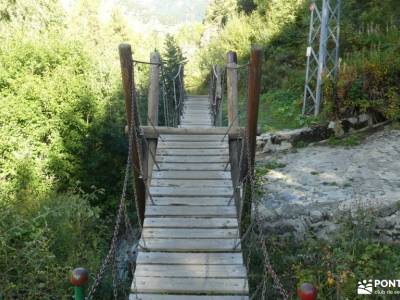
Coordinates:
x,y
190,246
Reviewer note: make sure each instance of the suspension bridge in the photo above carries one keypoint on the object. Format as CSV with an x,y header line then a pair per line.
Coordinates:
x,y
194,188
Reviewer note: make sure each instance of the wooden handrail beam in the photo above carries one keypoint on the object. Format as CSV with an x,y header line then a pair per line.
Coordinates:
x,y
151,132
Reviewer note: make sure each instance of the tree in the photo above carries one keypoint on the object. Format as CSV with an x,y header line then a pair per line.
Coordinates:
x,y
247,6
173,57
219,11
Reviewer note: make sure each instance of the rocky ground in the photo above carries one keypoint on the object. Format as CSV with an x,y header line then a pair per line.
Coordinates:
x,y
312,187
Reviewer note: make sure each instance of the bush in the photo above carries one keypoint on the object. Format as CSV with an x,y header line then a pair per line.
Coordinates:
x,y
334,266
39,247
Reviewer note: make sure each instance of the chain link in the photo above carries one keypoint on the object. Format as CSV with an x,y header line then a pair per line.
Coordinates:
x,y
254,232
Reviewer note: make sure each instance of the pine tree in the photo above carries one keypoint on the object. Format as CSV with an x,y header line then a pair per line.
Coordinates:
x,y
172,58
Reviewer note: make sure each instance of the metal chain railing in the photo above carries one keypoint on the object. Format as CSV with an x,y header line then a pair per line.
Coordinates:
x,y
122,215
216,93
172,101
253,237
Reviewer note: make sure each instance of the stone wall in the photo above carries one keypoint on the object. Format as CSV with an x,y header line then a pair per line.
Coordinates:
x,y
287,139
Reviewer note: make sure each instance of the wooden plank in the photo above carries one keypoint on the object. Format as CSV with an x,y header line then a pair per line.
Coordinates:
x,y
190,183
195,126
200,111
191,211
150,132
206,201
198,108
196,115
193,159
192,145
184,297
195,123
190,222
191,175
176,152
183,233
170,258
192,167
196,120
191,271
199,116
197,102
191,191
185,245
170,137
236,286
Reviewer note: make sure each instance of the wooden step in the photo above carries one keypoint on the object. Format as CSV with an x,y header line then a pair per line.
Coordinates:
x,y
192,145
190,222
190,245
195,201
193,152
191,138
170,258
185,233
184,297
190,183
191,191
191,211
191,271
192,167
214,286
191,175
193,159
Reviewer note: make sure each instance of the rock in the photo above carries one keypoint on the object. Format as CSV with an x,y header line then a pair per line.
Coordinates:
x,y
316,216
385,224
283,146
387,210
337,128
319,184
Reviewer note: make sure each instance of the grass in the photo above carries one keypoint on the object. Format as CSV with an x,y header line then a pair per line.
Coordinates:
x,y
334,266
348,141
268,166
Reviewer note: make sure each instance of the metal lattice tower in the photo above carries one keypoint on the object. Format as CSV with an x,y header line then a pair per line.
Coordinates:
x,y
322,52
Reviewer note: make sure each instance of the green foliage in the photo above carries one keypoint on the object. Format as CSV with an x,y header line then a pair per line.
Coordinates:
x,y
268,166
368,83
334,266
172,58
40,246
348,141
369,43
62,121
281,109
219,11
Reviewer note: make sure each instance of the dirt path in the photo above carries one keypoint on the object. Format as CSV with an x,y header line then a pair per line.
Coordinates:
x,y
319,183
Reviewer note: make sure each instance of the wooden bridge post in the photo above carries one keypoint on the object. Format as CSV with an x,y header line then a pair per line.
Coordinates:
x,y
218,96
232,104
154,89
152,108
125,55
232,88
181,90
251,131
